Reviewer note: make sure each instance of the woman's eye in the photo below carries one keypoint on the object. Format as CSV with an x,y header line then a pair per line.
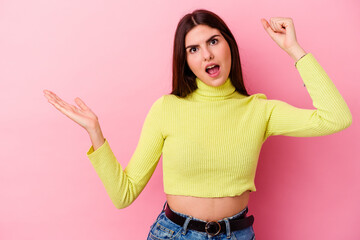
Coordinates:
x,y
214,40
191,50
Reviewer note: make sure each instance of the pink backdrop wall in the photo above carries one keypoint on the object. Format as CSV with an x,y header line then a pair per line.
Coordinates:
x,y
116,56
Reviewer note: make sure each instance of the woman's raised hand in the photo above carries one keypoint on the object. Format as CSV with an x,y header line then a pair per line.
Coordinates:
x,y
82,115
282,31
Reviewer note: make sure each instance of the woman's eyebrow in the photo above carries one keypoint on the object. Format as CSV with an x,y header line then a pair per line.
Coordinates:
x,y
206,41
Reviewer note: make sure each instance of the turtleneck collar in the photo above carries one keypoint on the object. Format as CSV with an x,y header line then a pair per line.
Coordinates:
x,y
208,92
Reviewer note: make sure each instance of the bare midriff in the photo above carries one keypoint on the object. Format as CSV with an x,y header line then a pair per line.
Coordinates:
x,y
208,209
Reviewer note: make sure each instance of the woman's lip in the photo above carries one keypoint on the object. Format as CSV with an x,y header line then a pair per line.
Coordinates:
x,y
210,64
216,74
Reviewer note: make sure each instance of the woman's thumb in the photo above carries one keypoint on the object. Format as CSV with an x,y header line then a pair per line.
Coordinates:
x,y
81,104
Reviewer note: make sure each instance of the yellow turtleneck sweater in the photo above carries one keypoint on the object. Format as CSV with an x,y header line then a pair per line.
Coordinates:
x,y
211,139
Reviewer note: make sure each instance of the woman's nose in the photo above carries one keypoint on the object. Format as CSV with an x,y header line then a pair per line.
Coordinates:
x,y
207,54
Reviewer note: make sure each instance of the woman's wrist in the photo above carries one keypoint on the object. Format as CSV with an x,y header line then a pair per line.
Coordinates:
x,y
96,136
296,52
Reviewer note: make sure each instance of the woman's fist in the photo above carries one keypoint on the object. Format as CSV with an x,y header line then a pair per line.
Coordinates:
x,y
282,31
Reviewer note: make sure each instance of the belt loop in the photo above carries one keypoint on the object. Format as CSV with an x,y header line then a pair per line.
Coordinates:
x,y
246,209
228,230
161,211
186,224
164,205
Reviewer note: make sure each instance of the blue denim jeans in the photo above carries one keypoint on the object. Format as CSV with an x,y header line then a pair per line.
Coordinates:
x,y
164,228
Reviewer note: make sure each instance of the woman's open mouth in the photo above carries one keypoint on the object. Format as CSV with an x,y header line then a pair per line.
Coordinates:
x,y
213,70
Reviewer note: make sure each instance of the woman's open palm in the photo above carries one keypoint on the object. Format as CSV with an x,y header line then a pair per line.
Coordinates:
x,y
82,115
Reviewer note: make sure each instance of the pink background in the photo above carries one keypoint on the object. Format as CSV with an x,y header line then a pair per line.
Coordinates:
x,y
117,56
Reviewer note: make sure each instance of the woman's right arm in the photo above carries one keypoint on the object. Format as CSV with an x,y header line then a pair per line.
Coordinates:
x,y
125,185
122,185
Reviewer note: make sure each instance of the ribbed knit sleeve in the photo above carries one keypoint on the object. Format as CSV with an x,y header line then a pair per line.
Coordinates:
x,y
330,116
124,186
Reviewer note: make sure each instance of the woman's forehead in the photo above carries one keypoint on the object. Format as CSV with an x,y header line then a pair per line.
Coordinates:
x,y
200,33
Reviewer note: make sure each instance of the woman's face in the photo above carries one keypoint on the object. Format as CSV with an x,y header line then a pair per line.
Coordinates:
x,y
205,46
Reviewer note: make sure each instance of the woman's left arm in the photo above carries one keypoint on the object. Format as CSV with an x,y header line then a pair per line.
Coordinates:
x,y
331,114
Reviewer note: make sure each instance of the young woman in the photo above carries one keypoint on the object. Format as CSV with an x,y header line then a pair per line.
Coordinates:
x,y
210,131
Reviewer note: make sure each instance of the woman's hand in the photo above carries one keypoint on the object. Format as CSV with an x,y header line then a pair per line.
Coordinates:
x,y
82,115
282,31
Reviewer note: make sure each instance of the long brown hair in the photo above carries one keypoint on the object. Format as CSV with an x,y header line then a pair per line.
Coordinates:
x,y
183,78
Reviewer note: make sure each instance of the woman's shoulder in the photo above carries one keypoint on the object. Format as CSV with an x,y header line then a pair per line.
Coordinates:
x,y
259,96
171,98
165,99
